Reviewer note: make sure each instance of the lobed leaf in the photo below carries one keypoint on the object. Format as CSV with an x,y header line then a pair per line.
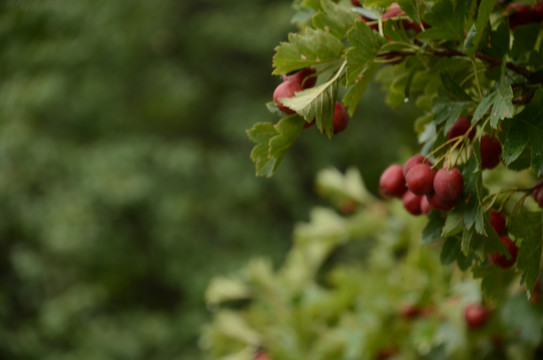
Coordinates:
x,y
334,18
314,47
446,20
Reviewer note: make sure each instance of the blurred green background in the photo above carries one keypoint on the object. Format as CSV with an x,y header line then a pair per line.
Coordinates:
x,y
125,178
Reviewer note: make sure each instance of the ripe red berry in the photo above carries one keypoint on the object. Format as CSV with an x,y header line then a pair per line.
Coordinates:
x,y
414,160
537,193
520,14
503,261
437,203
341,119
305,77
448,184
476,316
261,356
356,3
411,202
491,150
410,311
286,89
497,221
392,182
538,10
420,179
386,353
425,206
395,10
460,127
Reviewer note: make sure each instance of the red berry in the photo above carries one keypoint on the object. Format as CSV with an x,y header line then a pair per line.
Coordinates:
x,y
286,89
411,202
460,127
448,184
304,77
414,160
356,3
420,179
437,203
392,182
537,193
341,119
425,205
520,14
261,356
386,353
395,10
476,316
538,10
503,261
410,311
491,150
497,221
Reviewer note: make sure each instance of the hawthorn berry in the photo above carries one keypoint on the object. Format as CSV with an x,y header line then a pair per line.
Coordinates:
x,y
448,184
414,160
520,14
425,206
537,193
341,119
410,311
395,10
286,89
261,356
386,353
437,203
461,127
356,3
491,150
392,182
420,179
476,316
497,221
503,261
305,77
411,202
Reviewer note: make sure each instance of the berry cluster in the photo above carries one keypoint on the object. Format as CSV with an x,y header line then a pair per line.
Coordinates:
x,y
522,14
420,187
301,80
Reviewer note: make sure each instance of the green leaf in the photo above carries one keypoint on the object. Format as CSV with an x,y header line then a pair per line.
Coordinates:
x,y
446,20
355,92
483,15
473,184
334,18
527,226
272,142
522,319
450,250
496,43
365,45
453,90
317,103
447,111
502,107
495,281
526,128
524,39
432,231
413,8
454,223
314,47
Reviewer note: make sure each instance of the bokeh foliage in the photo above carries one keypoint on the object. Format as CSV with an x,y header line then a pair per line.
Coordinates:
x,y
124,176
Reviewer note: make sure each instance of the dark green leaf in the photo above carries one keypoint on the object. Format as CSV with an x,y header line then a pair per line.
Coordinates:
x,y
446,19
450,251
313,47
527,129
432,231
495,281
522,319
524,39
496,44
355,92
453,90
454,223
527,226
365,46
483,15
413,8
337,19
473,184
